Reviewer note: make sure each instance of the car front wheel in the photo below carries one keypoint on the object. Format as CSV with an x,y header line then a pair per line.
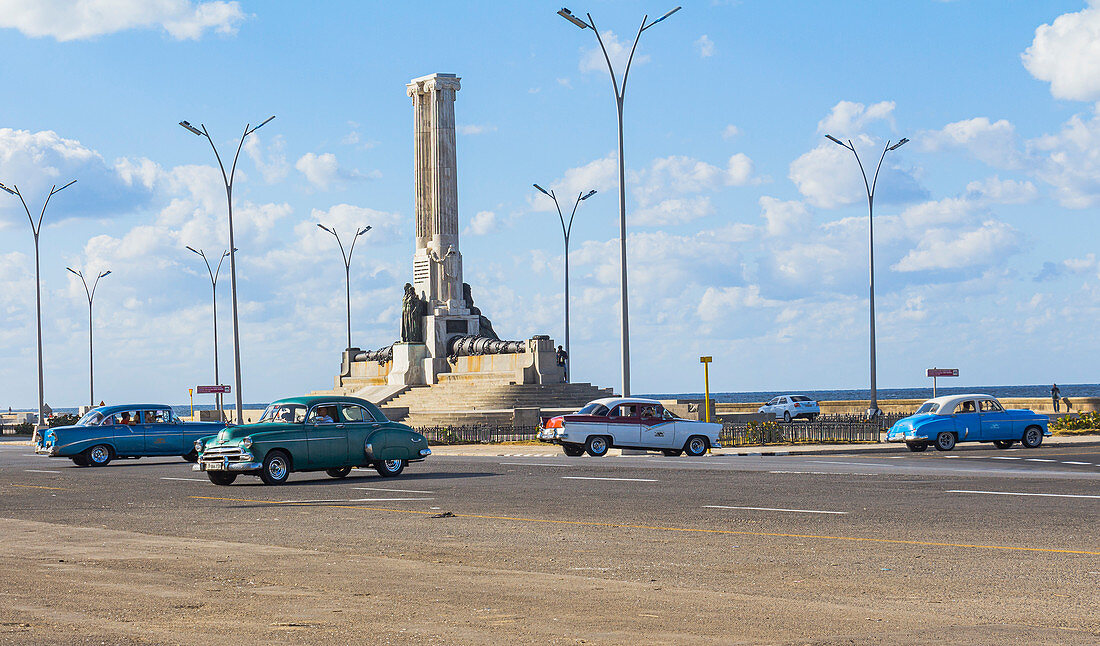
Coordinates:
x,y
673,453
342,472
1003,444
696,446
191,457
945,441
276,468
99,455
1033,437
221,478
572,450
390,468
786,416
916,447
596,446
80,460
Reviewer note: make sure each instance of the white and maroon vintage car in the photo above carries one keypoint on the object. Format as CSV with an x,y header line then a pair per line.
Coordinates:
x,y
629,423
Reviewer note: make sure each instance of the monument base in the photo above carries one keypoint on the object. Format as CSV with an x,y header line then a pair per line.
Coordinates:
x,y
407,368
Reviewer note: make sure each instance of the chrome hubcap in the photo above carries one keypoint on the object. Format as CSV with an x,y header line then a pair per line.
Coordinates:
x,y
277,468
1032,436
99,454
392,465
598,446
697,446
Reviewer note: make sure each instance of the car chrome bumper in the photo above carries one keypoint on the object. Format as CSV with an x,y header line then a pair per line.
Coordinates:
x,y
46,450
225,465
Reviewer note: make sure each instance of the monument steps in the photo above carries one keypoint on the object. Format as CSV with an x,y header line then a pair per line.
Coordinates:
x,y
457,402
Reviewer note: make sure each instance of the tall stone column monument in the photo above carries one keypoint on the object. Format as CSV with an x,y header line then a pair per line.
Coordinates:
x,y
437,260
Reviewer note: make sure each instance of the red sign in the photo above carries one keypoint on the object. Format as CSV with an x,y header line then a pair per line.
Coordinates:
x,y
935,372
223,389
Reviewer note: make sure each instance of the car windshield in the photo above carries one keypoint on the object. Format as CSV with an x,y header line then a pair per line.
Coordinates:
x,y
284,414
599,410
91,418
928,407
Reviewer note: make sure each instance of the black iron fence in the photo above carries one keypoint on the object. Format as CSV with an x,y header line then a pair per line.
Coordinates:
x,y
477,434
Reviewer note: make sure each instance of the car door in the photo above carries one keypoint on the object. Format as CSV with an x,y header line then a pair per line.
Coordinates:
x,y
769,407
994,421
968,422
327,437
359,424
656,431
624,425
162,435
128,432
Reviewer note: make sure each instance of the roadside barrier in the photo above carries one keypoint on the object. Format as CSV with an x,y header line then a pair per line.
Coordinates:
x,y
477,434
826,429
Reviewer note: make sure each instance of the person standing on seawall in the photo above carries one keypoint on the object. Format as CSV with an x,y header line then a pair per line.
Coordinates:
x,y
1055,392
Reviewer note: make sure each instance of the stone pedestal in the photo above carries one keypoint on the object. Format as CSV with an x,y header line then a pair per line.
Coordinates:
x,y
408,365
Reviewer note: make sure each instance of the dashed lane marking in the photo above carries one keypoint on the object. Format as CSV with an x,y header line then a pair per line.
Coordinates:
x,y
39,471
1088,464
384,489
308,502
189,479
697,530
617,479
534,464
827,473
1039,460
796,511
1023,493
38,487
1003,457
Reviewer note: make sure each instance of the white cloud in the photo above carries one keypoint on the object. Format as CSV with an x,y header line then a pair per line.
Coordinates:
x,y
483,222
1066,53
848,119
994,190
271,161
943,249
324,172
592,59
601,175
66,20
475,129
565,83
730,131
784,218
672,211
1068,161
991,142
679,174
705,46
829,177
718,303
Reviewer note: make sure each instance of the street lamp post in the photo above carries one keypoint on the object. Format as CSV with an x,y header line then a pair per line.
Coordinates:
x,y
620,92
566,229
347,265
228,179
36,228
214,290
90,294
873,411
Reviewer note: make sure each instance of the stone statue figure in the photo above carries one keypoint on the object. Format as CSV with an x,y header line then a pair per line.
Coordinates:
x,y
413,309
447,268
485,327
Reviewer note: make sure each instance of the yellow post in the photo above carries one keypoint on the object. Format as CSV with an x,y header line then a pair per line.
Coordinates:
x,y
706,384
191,394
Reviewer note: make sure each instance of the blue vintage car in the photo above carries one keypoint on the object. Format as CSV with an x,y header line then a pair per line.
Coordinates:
x,y
125,431
945,421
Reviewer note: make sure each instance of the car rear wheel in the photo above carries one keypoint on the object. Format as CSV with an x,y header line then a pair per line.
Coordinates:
x,y
342,472
596,446
786,416
99,455
1003,444
1033,437
276,468
696,446
673,453
80,460
945,441
572,450
390,468
916,447
221,478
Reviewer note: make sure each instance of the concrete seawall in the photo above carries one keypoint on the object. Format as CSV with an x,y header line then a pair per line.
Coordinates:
x,y
859,406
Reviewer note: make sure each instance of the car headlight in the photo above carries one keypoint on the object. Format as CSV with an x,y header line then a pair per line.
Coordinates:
x,y
246,442
199,446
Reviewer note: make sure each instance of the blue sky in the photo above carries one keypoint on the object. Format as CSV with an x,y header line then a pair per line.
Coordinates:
x,y
747,227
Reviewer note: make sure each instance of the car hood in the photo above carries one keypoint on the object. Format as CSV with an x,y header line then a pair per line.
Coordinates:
x,y
915,421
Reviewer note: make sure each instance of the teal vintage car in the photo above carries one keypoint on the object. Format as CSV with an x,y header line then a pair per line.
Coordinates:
x,y
316,433
124,431
944,421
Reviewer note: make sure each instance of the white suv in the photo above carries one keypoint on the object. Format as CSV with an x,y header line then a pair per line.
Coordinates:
x,y
788,407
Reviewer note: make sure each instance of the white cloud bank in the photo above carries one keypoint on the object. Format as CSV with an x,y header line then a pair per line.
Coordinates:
x,y
1066,53
66,20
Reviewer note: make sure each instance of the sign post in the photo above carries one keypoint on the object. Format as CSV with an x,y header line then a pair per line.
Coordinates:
x,y
941,372
706,385
206,390
191,394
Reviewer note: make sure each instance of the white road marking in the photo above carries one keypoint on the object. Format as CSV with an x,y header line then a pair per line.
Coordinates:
x,y
397,490
952,456
187,479
797,511
618,479
1019,493
39,471
1039,460
826,473
1003,457
1084,463
353,500
534,464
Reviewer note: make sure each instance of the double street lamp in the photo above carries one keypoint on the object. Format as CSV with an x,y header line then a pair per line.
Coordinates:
x,y
90,294
214,290
36,228
873,411
566,229
228,179
620,91
347,265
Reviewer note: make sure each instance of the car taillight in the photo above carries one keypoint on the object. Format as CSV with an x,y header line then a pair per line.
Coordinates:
x,y
796,404
555,422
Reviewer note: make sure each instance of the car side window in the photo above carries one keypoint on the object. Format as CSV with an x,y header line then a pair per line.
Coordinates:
x,y
966,407
159,416
649,412
355,413
321,415
989,406
667,414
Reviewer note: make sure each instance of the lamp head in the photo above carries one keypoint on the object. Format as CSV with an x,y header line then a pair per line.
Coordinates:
x,y
363,230
666,15
325,228
8,189
226,253
75,272
193,129
261,125
194,250
589,194
541,189
836,141
568,15
899,144
104,274
58,190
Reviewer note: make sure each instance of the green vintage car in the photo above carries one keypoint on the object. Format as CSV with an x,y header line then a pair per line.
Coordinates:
x,y
317,433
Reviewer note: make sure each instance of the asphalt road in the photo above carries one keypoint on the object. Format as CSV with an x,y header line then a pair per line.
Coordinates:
x,y
973,546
